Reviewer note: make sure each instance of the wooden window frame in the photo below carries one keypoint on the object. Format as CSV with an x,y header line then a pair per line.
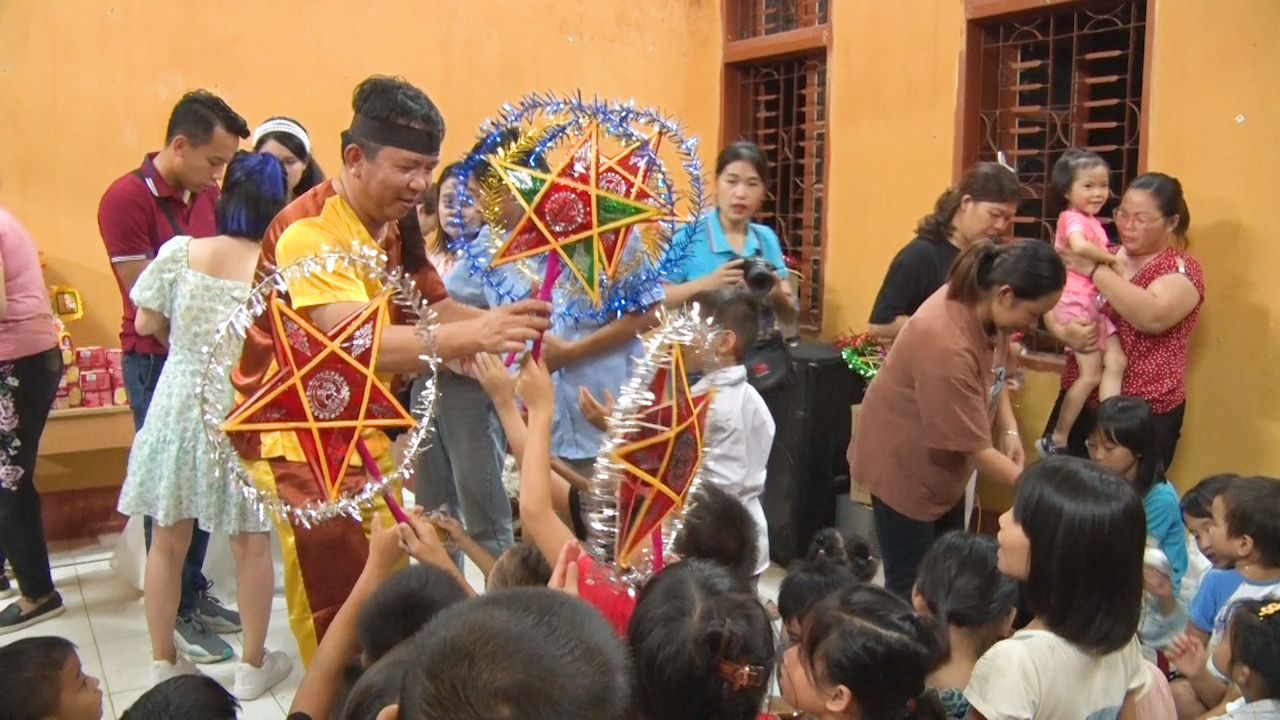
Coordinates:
x,y
968,125
807,41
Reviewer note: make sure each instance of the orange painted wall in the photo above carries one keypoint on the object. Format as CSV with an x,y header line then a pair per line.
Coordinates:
x,y
87,88
895,68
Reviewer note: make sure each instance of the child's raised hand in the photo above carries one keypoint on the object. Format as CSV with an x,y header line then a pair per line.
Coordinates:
x,y
384,544
417,536
565,575
450,526
494,377
533,384
1188,654
1157,583
594,412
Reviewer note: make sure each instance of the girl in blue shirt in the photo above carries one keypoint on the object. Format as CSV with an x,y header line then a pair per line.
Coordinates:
x,y
1125,441
716,247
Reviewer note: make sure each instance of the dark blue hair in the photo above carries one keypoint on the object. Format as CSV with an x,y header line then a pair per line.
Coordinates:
x,y
253,193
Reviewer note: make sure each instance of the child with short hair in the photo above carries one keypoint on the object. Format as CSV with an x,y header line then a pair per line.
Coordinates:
x,y
521,653
702,645
41,679
401,606
1246,532
738,434
1075,536
377,687
1218,583
864,654
1081,178
521,565
1251,658
960,587
189,697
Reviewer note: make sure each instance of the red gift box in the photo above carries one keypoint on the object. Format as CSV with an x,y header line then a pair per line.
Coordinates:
x,y
115,359
117,377
91,358
97,398
95,381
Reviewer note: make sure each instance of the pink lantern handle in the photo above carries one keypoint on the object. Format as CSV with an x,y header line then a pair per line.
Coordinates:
x,y
371,467
554,266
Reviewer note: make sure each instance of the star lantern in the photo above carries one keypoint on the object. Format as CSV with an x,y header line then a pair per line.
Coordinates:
x,y
660,462
583,211
324,391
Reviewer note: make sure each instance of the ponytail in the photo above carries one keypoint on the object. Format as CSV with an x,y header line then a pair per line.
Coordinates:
x,y
984,182
1031,268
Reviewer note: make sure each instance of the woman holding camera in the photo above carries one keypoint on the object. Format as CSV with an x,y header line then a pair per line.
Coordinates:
x,y
726,248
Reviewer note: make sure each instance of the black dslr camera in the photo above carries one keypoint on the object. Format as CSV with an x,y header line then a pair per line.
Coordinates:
x,y
757,273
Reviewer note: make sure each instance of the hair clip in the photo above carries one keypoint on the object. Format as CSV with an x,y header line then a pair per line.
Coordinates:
x,y
1269,610
741,676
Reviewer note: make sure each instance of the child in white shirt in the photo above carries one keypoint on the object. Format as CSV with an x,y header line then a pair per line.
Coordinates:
x,y
739,431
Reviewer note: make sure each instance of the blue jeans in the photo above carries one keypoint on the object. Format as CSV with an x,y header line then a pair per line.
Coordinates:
x,y
141,375
462,469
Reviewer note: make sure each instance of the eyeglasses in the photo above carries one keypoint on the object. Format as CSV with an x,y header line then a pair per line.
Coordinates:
x,y
1123,217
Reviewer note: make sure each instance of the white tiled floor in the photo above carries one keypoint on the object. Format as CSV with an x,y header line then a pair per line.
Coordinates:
x,y
104,618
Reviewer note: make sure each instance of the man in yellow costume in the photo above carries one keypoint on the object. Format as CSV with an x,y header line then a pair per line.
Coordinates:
x,y
389,153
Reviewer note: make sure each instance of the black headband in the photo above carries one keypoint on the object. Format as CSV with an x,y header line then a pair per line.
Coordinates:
x,y
381,132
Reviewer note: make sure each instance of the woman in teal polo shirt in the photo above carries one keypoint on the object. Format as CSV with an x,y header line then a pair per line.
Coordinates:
x,y
718,245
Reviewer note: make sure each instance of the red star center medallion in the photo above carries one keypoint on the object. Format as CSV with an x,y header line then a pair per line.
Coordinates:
x,y
660,462
626,174
324,391
570,209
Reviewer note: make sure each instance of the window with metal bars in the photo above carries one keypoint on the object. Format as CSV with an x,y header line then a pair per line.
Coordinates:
x,y
1053,79
758,18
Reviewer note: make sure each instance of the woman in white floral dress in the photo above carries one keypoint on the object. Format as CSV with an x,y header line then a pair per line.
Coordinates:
x,y
184,295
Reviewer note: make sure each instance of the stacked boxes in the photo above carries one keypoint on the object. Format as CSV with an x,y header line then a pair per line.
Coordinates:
x,y
93,378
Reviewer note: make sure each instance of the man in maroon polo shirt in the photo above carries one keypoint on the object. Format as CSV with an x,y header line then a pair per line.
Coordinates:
x,y
172,193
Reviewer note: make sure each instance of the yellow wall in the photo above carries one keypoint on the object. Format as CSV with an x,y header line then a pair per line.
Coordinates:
x,y
895,68
893,78
86,89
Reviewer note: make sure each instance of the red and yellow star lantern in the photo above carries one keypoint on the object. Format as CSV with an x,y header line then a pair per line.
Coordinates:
x,y
324,390
582,210
660,462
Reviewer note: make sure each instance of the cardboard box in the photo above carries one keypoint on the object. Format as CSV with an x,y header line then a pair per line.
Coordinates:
x,y
117,377
62,403
95,381
115,359
97,398
857,492
93,357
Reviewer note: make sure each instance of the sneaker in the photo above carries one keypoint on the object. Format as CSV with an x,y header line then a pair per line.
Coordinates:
x,y
12,619
197,642
1047,447
252,682
162,670
6,588
215,615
